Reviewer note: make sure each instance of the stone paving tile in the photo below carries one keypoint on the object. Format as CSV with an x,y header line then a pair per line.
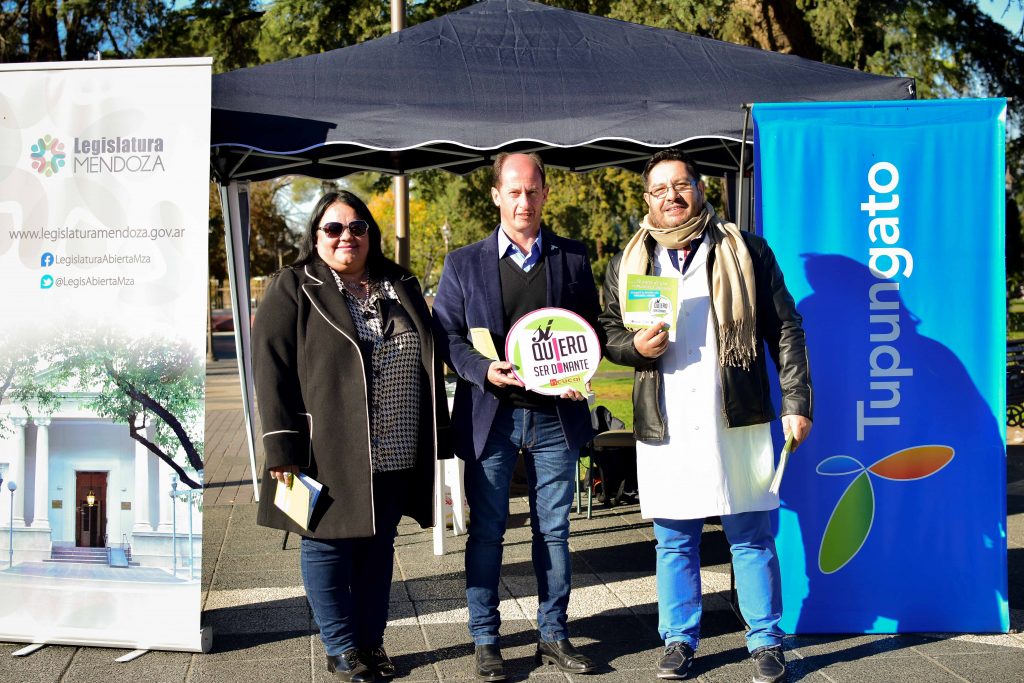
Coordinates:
x,y
401,614
442,589
880,670
43,665
259,620
252,598
455,611
97,664
840,648
259,645
1007,665
226,579
951,644
294,670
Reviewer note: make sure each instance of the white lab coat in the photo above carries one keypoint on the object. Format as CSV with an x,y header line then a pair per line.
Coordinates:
x,y
703,468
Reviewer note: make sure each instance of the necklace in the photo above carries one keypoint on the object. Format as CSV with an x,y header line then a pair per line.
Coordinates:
x,y
360,292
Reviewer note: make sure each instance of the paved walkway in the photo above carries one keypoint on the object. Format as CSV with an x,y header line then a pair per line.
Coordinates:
x,y
253,599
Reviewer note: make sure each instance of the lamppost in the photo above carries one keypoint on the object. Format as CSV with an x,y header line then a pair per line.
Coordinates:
x,y
446,233
12,487
174,524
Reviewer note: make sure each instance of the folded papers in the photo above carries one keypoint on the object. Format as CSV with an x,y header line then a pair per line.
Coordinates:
x,y
297,499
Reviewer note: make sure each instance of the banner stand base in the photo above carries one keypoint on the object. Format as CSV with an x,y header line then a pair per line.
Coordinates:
x,y
28,649
134,654
206,639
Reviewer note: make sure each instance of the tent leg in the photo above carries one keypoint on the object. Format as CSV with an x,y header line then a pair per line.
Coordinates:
x,y
741,214
234,200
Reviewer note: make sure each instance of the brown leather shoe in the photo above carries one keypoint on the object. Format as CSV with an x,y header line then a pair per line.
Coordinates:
x,y
563,655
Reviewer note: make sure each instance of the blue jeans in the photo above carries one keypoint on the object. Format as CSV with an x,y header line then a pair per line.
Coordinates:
x,y
551,472
757,577
348,580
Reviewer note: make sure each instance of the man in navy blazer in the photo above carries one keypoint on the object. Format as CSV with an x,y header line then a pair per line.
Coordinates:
x,y
486,287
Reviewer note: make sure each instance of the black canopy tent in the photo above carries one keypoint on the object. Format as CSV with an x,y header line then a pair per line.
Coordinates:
x,y
501,75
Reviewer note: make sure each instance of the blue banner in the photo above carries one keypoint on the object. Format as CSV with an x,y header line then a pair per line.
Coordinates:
x,y
887,219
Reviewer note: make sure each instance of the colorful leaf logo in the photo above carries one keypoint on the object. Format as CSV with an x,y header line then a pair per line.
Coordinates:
x,y
47,155
854,514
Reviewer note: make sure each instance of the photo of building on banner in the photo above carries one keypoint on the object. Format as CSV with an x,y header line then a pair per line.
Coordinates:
x,y
103,267
901,284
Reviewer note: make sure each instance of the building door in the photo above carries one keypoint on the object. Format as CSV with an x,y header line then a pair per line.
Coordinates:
x,y
91,512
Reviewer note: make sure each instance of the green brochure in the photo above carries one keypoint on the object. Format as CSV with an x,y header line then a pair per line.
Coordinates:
x,y
651,299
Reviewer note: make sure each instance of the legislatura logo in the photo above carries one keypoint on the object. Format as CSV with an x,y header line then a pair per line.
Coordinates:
x,y
853,516
104,155
47,155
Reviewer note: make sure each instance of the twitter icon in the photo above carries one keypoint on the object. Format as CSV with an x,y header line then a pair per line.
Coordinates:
x,y
46,282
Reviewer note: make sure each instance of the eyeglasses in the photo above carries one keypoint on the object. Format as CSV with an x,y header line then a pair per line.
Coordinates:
x,y
680,187
355,228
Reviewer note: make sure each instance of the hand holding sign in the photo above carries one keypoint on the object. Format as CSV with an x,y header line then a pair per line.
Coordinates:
x,y
554,352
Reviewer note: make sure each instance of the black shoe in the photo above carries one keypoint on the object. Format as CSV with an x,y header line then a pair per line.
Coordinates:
x,y
349,667
770,664
676,661
562,654
377,659
489,664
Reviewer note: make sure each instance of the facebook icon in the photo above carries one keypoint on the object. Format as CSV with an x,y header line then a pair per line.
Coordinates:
x,y
46,260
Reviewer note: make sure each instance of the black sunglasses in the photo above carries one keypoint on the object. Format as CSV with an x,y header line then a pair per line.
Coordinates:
x,y
334,229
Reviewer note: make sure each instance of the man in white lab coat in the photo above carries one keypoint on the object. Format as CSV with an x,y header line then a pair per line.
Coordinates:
x,y
702,411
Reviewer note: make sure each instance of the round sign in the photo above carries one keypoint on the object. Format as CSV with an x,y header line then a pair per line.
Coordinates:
x,y
552,349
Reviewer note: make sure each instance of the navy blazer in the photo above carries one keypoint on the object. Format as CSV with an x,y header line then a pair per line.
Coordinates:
x,y
468,296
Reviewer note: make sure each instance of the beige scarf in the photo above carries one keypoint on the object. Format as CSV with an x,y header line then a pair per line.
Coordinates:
x,y
732,279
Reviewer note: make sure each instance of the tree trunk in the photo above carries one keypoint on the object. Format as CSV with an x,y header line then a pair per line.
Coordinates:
x,y
779,25
43,38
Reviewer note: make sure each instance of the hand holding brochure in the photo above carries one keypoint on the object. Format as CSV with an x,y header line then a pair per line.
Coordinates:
x,y
783,459
650,299
297,499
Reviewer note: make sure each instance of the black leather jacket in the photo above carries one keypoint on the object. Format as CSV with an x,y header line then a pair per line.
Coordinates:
x,y
745,392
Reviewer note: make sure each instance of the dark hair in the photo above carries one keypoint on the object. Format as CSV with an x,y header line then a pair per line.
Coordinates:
x,y
671,154
376,262
499,162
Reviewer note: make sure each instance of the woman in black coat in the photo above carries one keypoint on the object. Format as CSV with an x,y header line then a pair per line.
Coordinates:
x,y
350,393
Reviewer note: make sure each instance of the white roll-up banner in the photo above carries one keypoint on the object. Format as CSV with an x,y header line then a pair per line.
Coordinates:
x,y
104,210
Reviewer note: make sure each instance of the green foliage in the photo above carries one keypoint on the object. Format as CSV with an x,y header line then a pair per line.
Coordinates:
x,y
20,360
52,30
293,28
227,30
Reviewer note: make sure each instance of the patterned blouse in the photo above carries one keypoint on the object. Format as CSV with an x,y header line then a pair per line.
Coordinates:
x,y
389,339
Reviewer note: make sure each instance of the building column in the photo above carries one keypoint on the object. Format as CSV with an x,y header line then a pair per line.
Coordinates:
x,y
41,514
163,488
140,505
16,473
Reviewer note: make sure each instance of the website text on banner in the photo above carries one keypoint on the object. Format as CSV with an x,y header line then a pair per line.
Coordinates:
x,y
104,205
888,220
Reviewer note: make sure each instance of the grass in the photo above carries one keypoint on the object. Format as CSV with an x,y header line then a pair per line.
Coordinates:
x,y
613,385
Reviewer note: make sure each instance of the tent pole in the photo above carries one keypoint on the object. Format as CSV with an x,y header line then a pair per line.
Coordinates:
x,y
401,183
740,213
236,244
402,220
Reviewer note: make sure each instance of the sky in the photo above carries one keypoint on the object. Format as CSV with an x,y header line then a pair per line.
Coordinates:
x,y
1011,19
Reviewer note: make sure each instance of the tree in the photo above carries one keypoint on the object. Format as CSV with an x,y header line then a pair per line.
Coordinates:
x,y
142,382
294,28
137,382
56,30
229,31
21,360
